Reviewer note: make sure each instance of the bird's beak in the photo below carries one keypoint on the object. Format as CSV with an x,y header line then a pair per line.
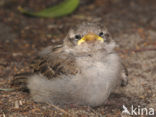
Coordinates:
x,y
89,38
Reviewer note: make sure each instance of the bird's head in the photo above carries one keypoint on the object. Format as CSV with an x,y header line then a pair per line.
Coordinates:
x,y
89,37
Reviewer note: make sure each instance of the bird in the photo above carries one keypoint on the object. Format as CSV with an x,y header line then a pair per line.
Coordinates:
x,y
83,70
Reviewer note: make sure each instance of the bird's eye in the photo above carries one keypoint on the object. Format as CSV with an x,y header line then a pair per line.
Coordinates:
x,y
78,37
101,34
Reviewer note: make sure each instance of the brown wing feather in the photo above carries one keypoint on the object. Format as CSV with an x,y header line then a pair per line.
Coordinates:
x,y
55,63
52,64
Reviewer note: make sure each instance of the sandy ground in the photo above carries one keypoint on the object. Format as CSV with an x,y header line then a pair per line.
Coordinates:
x,y
132,25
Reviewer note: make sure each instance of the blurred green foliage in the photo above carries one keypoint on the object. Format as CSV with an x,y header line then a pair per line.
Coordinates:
x,y
62,9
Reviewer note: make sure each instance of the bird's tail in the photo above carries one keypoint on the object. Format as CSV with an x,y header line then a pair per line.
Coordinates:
x,y
20,81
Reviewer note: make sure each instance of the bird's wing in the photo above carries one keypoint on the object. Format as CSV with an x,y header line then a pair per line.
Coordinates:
x,y
51,63
54,63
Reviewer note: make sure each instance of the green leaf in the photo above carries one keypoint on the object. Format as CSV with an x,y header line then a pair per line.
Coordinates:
x,y
62,9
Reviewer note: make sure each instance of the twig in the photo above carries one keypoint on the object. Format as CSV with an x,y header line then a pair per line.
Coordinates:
x,y
4,65
145,49
7,89
61,110
138,50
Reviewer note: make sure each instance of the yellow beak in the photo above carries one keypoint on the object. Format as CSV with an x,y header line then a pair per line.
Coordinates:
x,y
90,37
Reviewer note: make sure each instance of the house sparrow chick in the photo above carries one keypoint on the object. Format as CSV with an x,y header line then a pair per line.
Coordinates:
x,y
84,70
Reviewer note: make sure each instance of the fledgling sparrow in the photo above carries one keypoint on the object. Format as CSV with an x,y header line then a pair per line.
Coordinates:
x,y
84,70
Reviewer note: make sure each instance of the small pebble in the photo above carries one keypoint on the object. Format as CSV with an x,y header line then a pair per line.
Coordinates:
x,y
16,105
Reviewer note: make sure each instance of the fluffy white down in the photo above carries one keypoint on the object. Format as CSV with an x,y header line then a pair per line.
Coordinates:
x,y
100,74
